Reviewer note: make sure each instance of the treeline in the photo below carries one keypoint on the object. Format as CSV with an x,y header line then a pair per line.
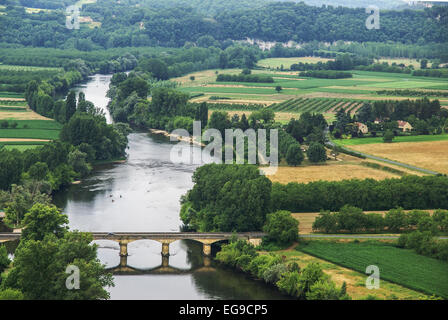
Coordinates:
x,y
378,50
385,67
412,93
125,25
343,61
244,78
311,283
353,220
409,192
425,116
425,243
326,74
437,73
16,80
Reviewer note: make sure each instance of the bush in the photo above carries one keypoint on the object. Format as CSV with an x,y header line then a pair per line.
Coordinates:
x,y
388,136
281,227
316,153
11,294
294,156
4,259
274,273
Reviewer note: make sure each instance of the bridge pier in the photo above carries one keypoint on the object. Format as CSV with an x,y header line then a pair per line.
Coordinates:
x,y
123,248
166,247
207,249
165,261
123,261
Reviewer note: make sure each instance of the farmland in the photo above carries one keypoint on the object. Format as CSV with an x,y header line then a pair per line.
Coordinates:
x,y
277,63
421,138
354,280
14,78
431,155
21,128
301,94
400,266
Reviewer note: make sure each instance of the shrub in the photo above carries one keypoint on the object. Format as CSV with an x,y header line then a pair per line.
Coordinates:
x,y
316,153
294,156
281,227
274,273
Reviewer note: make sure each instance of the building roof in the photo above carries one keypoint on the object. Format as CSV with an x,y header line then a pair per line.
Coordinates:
x,y
402,123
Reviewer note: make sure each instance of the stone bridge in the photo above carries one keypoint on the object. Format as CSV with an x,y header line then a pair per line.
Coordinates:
x,y
165,238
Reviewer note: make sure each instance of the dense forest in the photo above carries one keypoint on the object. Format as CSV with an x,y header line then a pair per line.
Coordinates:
x,y
124,25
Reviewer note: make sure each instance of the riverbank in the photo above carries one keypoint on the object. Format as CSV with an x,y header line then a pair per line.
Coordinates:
x,y
188,139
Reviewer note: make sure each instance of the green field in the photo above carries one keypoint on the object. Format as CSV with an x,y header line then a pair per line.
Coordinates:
x,y
361,88
401,266
422,138
287,62
14,95
30,133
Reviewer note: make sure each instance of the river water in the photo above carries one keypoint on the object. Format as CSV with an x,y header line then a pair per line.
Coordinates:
x,y
143,194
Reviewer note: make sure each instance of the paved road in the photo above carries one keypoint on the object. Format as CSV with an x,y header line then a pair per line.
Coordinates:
x,y
404,165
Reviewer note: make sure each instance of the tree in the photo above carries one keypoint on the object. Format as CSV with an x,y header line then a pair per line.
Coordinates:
x,y
202,114
288,283
4,259
227,198
192,78
38,171
42,220
70,105
294,156
11,294
395,220
78,161
39,268
281,227
22,198
326,290
220,121
156,67
326,222
388,136
423,64
278,89
316,153
351,219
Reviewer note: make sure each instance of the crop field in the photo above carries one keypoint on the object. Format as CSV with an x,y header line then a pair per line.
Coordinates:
x,y
14,78
275,63
26,129
318,105
362,141
329,172
354,280
401,266
301,94
431,155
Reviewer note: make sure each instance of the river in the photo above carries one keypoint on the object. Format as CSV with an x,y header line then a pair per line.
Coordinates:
x,y
143,194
